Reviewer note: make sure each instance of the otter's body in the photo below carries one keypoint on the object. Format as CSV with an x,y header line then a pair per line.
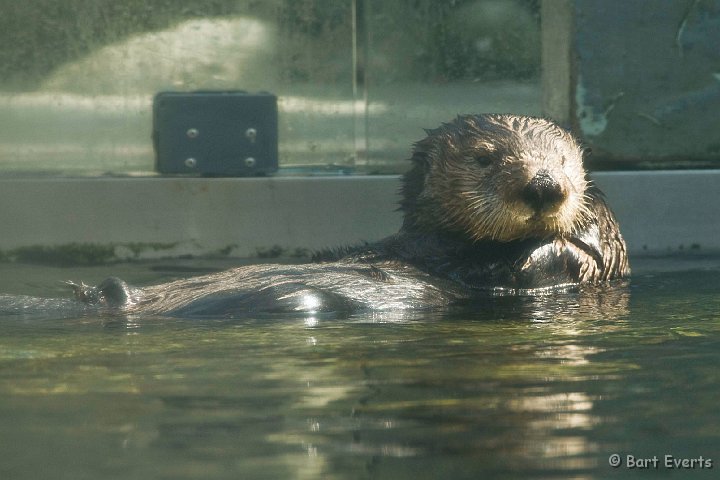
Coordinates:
x,y
493,203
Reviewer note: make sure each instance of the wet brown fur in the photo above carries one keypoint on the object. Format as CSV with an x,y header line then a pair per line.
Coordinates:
x,y
493,203
468,176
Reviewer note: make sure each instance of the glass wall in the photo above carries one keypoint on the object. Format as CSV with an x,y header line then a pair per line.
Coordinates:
x,y
357,81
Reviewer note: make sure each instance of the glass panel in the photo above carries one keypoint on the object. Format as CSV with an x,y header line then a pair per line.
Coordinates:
x,y
78,76
430,61
356,79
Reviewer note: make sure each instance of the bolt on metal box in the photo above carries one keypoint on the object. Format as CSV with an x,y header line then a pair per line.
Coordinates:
x,y
215,133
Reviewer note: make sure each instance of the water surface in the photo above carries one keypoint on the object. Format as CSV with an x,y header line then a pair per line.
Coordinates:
x,y
544,387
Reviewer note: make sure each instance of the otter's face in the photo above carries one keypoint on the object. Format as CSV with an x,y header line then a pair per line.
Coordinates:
x,y
501,177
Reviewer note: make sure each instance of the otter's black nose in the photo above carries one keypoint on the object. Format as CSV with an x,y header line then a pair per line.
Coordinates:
x,y
543,192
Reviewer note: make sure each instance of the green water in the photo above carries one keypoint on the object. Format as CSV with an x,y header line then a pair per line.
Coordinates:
x,y
517,388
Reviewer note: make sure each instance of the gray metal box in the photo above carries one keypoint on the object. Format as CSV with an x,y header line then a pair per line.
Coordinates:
x,y
215,133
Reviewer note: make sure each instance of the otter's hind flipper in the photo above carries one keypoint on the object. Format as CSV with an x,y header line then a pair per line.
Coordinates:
x,y
111,292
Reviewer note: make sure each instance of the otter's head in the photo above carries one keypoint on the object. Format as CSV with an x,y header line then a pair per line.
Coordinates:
x,y
496,177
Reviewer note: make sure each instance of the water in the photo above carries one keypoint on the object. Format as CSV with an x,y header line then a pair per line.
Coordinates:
x,y
519,388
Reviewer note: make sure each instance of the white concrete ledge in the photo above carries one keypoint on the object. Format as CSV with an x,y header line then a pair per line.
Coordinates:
x,y
172,216
663,212
660,212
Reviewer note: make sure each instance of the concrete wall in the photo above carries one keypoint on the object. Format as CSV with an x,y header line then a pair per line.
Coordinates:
x,y
158,217
638,81
660,212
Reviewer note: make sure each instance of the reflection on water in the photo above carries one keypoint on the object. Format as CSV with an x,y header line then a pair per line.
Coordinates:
x,y
511,387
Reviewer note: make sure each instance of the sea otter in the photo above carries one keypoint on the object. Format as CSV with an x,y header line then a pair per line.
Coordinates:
x,y
493,204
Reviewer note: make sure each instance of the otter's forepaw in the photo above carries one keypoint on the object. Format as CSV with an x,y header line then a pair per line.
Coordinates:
x,y
588,267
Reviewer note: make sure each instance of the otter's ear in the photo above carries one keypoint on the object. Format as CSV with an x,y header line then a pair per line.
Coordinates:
x,y
420,158
422,147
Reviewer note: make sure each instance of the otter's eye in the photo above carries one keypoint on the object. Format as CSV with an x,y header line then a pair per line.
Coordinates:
x,y
482,160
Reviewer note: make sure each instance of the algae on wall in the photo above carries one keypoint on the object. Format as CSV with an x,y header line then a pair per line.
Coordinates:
x,y
82,254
